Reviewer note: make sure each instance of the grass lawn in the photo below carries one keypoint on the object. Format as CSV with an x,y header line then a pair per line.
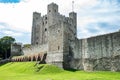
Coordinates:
x,y
30,71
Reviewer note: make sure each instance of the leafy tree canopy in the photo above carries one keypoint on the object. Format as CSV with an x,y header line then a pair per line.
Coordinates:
x,y
5,44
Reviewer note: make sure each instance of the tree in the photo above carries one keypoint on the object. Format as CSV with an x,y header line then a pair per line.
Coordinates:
x,y
27,45
5,45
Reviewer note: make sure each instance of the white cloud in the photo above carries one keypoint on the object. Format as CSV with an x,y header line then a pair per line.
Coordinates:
x,y
19,16
103,11
12,33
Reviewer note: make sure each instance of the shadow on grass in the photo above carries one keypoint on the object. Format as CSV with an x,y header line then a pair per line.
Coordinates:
x,y
39,68
1,64
72,70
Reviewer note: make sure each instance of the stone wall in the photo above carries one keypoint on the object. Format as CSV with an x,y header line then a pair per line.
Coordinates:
x,y
55,58
35,49
101,52
34,53
76,62
16,49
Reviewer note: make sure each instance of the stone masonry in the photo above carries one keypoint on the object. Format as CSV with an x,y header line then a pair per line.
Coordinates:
x,y
16,49
65,50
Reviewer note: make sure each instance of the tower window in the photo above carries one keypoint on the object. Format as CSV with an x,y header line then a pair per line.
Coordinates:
x,y
55,10
36,17
46,18
58,30
58,47
49,10
45,29
46,22
36,42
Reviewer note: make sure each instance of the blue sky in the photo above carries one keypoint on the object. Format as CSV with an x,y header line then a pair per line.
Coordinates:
x,y
9,1
95,17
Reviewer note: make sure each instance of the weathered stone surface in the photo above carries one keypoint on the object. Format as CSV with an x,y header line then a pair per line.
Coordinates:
x,y
76,64
16,49
55,58
115,63
105,64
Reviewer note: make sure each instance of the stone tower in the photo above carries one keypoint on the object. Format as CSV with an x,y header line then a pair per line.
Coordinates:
x,y
36,28
58,32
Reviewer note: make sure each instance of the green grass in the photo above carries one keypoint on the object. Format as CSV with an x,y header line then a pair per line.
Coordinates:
x,y
30,71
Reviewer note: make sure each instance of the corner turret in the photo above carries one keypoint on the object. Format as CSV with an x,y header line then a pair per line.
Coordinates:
x,y
52,8
35,27
73,16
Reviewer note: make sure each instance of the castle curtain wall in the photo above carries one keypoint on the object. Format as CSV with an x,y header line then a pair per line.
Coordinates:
x,y
101,52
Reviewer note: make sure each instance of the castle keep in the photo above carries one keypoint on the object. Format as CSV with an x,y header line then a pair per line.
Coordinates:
x,y
58,33
57,36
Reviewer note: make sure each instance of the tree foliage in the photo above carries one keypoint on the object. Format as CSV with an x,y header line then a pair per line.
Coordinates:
x,y
27,45
5,45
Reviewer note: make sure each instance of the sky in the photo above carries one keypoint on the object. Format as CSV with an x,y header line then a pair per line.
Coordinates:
x,y
94,17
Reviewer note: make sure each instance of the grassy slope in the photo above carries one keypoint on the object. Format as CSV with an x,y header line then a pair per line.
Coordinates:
x,y
28,71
